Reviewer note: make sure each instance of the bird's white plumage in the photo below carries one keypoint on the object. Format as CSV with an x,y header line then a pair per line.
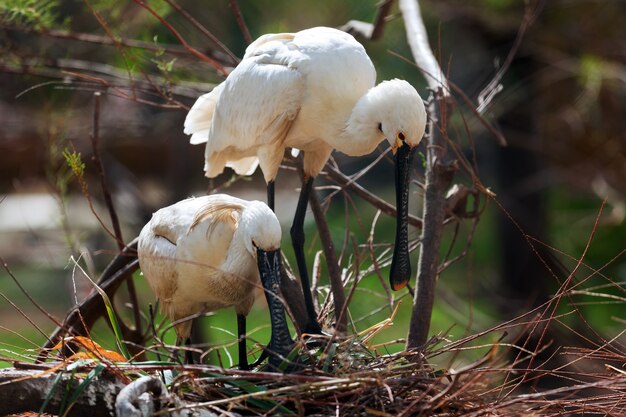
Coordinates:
x,y
312,90
199,254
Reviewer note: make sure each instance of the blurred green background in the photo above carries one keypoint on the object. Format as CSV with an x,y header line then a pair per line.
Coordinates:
x,y
561,110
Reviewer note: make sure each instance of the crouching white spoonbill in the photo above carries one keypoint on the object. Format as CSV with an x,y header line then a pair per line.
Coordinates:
x,y
313,90
206,253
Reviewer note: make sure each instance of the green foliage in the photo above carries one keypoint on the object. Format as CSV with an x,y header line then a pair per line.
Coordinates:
x,y
164,65
591,69
35,13
117,330
75,162
80,390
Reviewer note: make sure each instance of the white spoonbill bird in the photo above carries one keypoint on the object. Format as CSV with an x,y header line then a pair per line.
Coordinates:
x,y
313,90
206,253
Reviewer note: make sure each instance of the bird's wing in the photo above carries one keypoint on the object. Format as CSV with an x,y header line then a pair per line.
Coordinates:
x,y
158,245
208,236
257,104
198,120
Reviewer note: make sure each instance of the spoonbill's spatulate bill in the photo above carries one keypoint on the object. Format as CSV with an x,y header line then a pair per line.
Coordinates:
x,y
206,253
313,90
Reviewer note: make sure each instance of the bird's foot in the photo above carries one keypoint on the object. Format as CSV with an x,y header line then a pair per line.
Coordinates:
x,y
312,328
279,359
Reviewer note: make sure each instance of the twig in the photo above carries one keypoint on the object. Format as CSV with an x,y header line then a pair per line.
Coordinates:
x,y
97,39
373,199
456,89
93,307
315,278
334,272
381,19
16,307
372,31
178,36
106,191
116,42
494,87
95,138
438,176
563,290
23,290
375,263
418,41
240,20
203,30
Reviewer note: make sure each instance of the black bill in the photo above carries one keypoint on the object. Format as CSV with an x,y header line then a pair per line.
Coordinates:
x,y
400,263
269,264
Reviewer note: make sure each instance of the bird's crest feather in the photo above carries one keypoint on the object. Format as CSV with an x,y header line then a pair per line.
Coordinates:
x,y
226,212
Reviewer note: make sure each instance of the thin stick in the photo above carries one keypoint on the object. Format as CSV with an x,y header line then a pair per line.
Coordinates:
x,y
8,300
23,290
334,271
439,176
95,138
97,39
418,41
178,36
106,191
203,30
240,21
381,19
373,199
494,87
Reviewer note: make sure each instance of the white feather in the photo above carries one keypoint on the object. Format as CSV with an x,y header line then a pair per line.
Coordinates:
x,y
197,255
312,90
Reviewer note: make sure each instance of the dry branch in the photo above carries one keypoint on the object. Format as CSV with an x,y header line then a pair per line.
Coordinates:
x,y
347,183
80,320
334,272
439,175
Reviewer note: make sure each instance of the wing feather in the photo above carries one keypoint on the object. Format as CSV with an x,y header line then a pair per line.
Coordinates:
x,y
199,118
256,106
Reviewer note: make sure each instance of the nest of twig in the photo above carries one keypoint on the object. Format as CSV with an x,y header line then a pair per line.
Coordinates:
x,y
347,379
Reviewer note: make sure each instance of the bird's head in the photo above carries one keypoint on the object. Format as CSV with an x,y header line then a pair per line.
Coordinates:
x,y
400,113
262,228
401,116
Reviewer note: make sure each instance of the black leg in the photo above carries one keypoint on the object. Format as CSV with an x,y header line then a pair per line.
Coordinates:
x,y
188,353
270,194
243,350
297,239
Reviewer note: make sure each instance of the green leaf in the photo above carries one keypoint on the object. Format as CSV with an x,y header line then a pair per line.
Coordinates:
x,y
53,387
95,372
117,330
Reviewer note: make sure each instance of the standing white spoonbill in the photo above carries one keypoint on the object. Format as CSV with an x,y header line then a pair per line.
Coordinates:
x,y
313,90
206,253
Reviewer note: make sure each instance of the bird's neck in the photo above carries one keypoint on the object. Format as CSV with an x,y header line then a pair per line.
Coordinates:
x,y
361,134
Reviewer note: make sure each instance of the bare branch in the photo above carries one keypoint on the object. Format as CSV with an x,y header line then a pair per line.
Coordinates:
x,y
439,175
368,30
106,191
178,36
203,30
93,307
422,53
334,272
240,21
494,87
371,198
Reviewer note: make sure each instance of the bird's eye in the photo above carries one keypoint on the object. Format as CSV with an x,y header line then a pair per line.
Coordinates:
x,y
401,136
380,127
